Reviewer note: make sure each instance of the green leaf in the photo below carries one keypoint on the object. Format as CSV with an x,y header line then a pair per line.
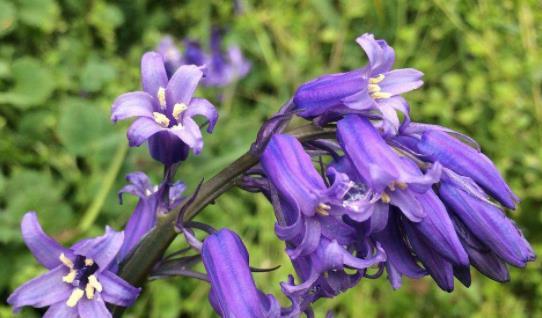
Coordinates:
x,y
34,83
96,74
7,18
41,14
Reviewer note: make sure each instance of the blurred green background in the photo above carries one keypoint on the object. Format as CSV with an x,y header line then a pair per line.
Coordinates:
x,y
63,62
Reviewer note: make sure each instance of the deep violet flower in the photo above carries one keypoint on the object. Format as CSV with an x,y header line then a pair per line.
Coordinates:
x,y
309,220
165,110
78,283
152,201
233,291
486,221
373,87
391,178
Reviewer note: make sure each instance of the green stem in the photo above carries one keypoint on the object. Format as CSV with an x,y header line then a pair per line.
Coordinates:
x,y
139,263
95,207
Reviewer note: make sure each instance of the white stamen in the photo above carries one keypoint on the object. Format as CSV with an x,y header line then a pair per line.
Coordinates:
x,y
161,119
69,277
380,95
373,88
161,94
75,296
93,281
66,261
377,79
89,291
178,109
89,262
323,209
178,127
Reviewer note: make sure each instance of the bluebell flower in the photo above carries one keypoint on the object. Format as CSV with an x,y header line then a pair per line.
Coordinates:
x,y
309,220
233,291
165,110
172,56
153,201
79,282
375,87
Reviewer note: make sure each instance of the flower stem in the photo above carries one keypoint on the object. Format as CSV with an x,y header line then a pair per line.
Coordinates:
x,y
139,263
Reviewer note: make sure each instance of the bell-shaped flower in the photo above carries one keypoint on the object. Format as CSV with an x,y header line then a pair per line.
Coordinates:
x,y
394,179
165,110
233,291
439,146
152,201
485,220
79,282
373,87
309,216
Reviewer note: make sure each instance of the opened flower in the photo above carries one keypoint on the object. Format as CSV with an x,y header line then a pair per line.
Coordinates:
x,y
165,110
79,282
375,87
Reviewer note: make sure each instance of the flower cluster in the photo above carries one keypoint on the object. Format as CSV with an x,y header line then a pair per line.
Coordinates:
x,y
391,194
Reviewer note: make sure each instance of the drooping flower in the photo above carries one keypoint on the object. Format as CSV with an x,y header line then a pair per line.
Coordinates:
x,y
79,282
152,201
233,291
375,87
309,220
165,110
392,179
486,221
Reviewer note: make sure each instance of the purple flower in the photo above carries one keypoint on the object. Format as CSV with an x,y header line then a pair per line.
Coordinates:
x,y
373,87
233,291
151,203
224,68
193,53
78,283
172,56
437,145
165,110
309,216
391,178
487,222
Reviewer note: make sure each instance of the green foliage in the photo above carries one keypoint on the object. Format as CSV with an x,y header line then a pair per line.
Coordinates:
x,y
62,63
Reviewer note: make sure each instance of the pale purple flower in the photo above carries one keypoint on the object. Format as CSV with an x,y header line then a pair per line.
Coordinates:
x,y
375,87
233,291
79,282
172,56
165,110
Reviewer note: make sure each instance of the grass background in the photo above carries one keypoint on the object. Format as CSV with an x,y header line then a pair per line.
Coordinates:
x,y
62,63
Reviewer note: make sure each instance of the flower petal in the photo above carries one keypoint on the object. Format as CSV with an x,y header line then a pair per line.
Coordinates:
x,y
189,133
141,221
42,291
93,308
401,81
409,205
381,56
182,85
133,104
141,130
45,249
153,73
102,249
61,310
117,291
201,106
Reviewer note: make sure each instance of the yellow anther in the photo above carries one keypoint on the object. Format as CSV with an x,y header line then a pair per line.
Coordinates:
x,y
89,291
75,296
178,109
94,283
178,127
391,186
377,79
373,88
385,198
323,209
380,95
161,119
161,94
401,185
89,262
66,261
69,277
